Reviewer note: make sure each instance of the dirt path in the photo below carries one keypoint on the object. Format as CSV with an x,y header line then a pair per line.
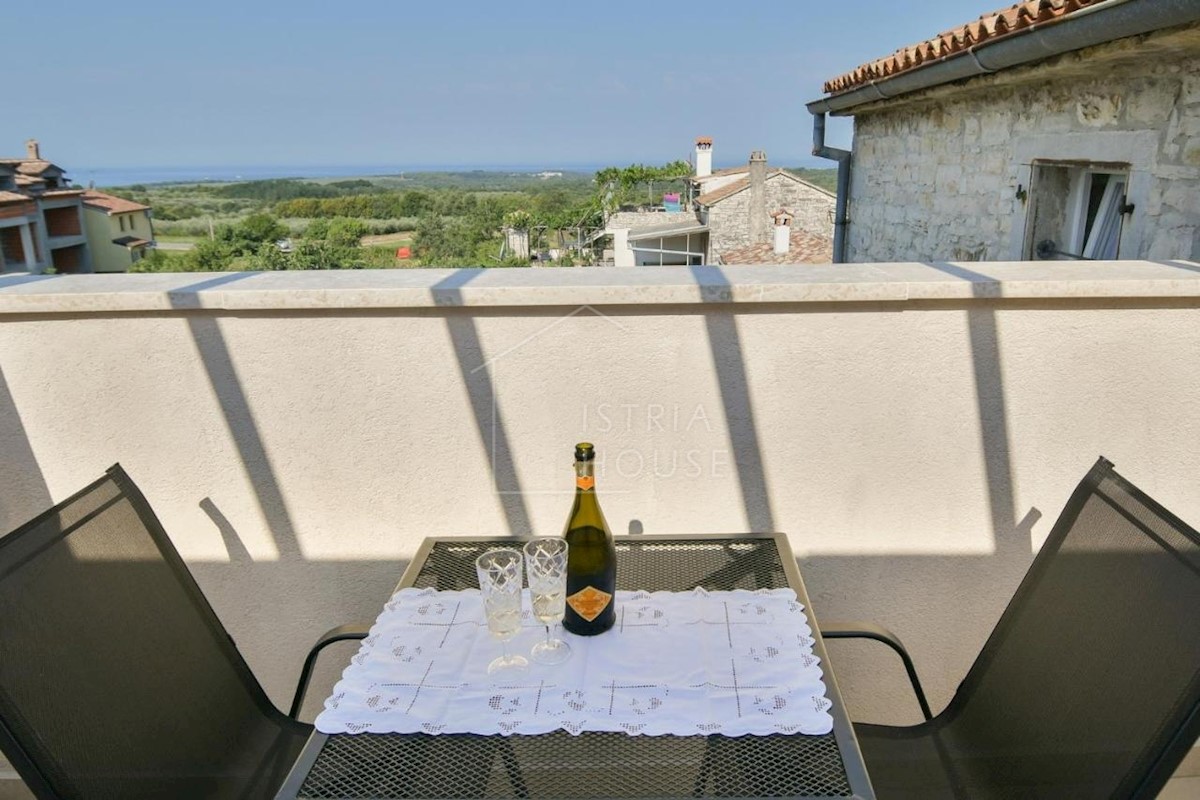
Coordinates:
x,y
405,237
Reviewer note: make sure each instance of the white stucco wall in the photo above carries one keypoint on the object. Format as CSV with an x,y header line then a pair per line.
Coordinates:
x,y
936,175
906,425
636,220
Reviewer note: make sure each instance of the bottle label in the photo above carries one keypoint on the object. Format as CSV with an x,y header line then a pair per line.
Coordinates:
x,y
585,482
589,602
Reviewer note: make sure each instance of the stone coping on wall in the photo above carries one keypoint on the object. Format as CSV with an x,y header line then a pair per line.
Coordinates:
x,y
596,286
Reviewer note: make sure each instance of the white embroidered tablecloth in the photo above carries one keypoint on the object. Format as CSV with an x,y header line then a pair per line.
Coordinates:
x,y
685,663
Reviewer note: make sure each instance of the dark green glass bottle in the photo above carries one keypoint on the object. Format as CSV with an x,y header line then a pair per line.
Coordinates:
x,y
591,557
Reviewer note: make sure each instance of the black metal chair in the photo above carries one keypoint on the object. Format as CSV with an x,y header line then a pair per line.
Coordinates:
x,y
117,680
1090,684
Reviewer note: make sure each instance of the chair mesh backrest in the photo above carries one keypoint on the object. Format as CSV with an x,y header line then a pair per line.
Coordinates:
x,y
1094,669
116,678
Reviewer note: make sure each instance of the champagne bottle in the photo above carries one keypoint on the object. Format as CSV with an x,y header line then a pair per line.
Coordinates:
x,y
591,555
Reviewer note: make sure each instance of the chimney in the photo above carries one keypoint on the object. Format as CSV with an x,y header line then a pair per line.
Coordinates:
x,y
703,156
758,198
783,231
31,150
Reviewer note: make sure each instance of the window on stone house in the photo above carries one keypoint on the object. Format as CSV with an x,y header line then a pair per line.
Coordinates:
x,y
132,222
1076,210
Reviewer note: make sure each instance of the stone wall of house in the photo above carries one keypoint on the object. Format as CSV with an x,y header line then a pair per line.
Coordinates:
x,y
812,209
941,176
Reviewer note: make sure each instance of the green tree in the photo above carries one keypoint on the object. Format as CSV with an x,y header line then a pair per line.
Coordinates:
x,y
346,232
260,228
209,255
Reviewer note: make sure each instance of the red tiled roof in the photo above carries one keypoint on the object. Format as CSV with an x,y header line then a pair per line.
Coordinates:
x,y
716,195
111,204
989,27
13,197
708,198
35,166
806,248
29,166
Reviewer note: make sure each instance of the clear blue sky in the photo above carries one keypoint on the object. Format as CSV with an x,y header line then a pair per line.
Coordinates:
x,y
353,82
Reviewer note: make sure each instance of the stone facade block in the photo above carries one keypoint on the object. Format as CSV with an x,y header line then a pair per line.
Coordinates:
x,y
937,178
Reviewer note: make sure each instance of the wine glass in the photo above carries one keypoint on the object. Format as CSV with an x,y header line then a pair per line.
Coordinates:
x,y
500,584
546,563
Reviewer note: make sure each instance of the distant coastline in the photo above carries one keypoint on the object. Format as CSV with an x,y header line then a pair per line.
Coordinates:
x,y
129,176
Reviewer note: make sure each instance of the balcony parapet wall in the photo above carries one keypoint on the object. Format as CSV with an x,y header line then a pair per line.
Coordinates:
x,y
599,287
913,428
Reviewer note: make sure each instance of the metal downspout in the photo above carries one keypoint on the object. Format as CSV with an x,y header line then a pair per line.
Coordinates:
x,y
840,218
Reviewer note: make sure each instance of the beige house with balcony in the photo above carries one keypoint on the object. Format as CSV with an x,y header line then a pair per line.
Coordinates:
x,y
119,231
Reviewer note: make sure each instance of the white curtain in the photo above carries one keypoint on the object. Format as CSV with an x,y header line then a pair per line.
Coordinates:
x,y
1106,229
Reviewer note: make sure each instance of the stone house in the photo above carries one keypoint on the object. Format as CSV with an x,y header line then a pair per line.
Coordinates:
x,y
1057,129
729,219
739,212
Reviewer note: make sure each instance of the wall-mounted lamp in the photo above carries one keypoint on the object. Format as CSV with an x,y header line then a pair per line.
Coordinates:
x,y
1022,195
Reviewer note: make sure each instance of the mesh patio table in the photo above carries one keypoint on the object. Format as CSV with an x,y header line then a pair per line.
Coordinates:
x,y
612,765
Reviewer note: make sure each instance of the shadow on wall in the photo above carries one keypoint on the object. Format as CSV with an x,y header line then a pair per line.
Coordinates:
x,y
859,586
729,363
306,596
26,494
476,375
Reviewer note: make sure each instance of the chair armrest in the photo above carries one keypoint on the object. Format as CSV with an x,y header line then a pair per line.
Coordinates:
x,y
342,633
857,629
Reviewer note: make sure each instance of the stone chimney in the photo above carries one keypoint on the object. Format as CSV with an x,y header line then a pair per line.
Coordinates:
x,y
703,156
31,150
783,231
758,198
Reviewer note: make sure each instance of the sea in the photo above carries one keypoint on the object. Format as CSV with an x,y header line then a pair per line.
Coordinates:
x,y
129,176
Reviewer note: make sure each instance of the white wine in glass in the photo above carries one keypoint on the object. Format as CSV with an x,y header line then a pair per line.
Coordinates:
x,y
546,565
499,574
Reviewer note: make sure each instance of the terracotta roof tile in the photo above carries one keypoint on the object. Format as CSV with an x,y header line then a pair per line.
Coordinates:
x,y
1005,22
35,166
13,197
708,198
111,204
806,248
716,195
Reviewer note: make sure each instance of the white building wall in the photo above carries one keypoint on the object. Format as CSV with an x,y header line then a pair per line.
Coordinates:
x,y
636,220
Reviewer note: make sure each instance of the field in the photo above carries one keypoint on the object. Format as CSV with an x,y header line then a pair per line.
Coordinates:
x,y
445,218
